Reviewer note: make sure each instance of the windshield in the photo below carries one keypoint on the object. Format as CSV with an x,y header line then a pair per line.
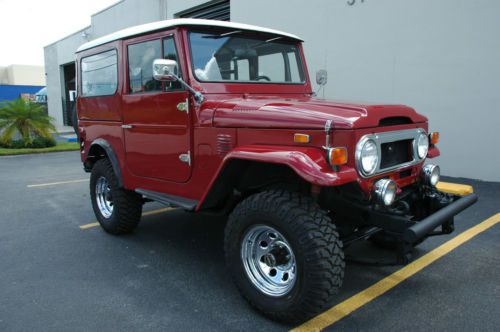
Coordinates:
x,y
234,57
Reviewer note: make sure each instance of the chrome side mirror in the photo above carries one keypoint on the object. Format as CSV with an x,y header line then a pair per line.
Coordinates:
x,y
321,77
165,70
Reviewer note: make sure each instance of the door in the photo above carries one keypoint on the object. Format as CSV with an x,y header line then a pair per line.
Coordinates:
x,y
156,128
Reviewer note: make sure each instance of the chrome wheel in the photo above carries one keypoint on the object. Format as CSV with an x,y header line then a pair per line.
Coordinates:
x,y
268,260
103,197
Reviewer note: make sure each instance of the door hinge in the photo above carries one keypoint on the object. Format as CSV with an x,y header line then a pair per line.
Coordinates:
x,y
184,106
186,158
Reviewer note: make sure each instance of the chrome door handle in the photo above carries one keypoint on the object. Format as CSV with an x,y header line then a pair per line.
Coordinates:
x,y
127,126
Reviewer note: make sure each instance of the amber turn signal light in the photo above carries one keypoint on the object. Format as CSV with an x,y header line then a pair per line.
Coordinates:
x,y
301,138
434,138
337,156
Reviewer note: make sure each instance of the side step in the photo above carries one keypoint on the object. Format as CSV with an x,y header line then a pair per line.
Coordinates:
x,y
171,200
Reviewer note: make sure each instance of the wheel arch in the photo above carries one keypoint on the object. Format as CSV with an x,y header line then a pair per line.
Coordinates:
x,y
100,148
260,165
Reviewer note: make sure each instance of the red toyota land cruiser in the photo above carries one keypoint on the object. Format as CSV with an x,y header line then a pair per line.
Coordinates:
x,y
213,116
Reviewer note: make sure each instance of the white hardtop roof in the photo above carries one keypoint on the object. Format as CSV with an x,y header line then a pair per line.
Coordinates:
x,y
154,26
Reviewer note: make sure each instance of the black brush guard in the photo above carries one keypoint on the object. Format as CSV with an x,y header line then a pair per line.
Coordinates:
x,y
437,210
426,226
410,232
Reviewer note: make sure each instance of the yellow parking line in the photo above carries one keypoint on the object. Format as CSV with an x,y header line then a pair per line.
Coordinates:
x,y
455,188
147,213
93,224
55,183
355,302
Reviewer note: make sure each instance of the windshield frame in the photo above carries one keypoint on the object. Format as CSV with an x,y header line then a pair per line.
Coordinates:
x,y
301,66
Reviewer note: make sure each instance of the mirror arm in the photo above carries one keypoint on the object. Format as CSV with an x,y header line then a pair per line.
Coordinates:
x,y
198,96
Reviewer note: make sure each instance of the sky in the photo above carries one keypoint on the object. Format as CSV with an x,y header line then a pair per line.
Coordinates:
x,y
26,26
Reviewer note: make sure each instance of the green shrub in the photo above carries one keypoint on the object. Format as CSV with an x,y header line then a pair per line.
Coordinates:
x,y
15,144
37,143
43,142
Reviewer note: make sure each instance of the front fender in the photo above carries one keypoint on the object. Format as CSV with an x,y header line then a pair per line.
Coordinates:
x,y
308,162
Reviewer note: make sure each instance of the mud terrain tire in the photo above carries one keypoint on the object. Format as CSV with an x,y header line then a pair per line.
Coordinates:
x,y
314,242
118,210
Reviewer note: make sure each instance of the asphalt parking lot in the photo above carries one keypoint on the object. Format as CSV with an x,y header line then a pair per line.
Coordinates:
x,y
58,271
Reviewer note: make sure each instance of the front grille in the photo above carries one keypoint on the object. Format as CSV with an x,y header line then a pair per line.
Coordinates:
x,y
395,153
395,150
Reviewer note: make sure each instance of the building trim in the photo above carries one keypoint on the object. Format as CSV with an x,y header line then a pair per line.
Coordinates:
x,y
69,36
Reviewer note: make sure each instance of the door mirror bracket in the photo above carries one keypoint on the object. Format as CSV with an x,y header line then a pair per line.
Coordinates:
x,y
165,70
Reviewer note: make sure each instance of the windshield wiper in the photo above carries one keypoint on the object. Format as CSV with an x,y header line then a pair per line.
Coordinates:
x,y
273,39
222,35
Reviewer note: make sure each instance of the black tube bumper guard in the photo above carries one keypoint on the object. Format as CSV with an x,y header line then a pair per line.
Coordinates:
x,y
412,232
422,228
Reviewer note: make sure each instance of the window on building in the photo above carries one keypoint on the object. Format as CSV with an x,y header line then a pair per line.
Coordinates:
x,y
140,66
100,74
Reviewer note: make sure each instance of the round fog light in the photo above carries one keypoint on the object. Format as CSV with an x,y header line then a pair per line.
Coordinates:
x,y
385,191
431,174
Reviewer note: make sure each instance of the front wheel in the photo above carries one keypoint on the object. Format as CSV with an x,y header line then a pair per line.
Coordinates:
x,y
284,255
118,210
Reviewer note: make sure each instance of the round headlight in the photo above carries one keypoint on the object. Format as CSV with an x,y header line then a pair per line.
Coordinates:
x,y
422,145
431,174
385,191
368,157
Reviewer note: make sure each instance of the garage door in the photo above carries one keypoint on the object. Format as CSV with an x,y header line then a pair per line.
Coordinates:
x,y
213,10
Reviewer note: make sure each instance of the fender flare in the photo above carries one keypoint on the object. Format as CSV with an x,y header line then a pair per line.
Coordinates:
x,y
309,163
102,143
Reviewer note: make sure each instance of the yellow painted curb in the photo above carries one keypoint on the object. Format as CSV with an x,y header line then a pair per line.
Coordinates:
x,y
455,188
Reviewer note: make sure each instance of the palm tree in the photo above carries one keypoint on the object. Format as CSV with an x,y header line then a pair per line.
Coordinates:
x,y
26,118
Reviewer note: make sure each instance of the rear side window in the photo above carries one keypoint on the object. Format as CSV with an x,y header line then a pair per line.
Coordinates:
x,y
99,74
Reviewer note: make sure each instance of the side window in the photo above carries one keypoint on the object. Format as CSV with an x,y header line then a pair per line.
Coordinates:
x,y
140,66
170,52
99,74
240,70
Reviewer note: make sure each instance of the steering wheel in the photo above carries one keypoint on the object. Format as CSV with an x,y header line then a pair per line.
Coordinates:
x,y
263,77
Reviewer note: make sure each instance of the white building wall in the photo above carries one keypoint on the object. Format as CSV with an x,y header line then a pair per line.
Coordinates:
x,y
125,14
440,57
22,75
4,75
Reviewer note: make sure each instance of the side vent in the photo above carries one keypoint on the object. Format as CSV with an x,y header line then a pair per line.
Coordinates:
x,y
224,144
240,109
394,121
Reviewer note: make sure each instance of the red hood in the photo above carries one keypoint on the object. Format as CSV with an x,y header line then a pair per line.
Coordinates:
x,y
306,113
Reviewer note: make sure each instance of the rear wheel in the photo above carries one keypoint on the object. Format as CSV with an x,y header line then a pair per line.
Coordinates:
x,y
118,210
284,255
